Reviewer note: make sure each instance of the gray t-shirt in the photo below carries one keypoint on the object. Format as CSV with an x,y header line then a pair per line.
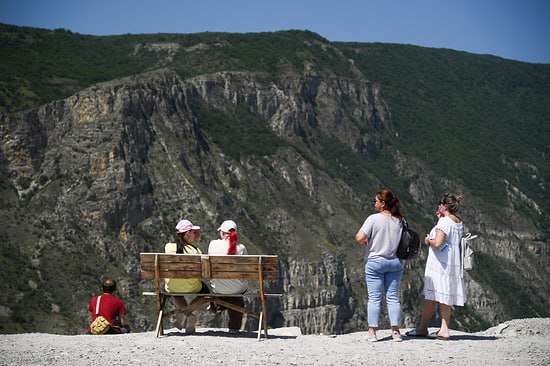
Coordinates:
x,y
383,235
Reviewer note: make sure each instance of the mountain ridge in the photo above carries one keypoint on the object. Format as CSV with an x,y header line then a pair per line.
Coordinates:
x,y
292,153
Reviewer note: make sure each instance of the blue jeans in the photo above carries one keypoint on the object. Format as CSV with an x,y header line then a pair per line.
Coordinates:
x,y
383,275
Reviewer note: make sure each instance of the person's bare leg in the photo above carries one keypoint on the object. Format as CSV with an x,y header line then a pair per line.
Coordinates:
x,y
427,312
197,300
179,301
181,318
445,313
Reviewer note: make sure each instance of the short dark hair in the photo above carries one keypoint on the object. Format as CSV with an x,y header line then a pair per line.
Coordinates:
x,y
109,285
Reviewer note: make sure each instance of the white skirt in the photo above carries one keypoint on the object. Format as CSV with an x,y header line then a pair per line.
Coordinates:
x,y
442,278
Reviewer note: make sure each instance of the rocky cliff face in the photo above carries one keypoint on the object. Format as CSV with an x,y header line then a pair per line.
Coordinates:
x,y
92,180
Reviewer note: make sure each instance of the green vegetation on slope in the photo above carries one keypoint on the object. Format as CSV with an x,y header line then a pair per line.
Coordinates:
x,y
238,131
519,301
59,63
481,119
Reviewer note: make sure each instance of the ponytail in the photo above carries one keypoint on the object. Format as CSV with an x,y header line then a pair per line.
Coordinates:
x,y
182,246
180,243
391,202
232,242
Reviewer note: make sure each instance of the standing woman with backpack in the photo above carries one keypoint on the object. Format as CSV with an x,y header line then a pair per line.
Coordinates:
x,y
443,282
381,233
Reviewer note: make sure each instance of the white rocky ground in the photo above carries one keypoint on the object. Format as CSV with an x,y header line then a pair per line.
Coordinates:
x,y
516,342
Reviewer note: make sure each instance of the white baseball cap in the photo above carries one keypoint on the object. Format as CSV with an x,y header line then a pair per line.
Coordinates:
x,y
227,225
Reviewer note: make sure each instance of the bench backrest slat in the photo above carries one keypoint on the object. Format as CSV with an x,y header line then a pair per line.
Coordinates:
x,y
169,258
250,259
146,275
168,266
209,266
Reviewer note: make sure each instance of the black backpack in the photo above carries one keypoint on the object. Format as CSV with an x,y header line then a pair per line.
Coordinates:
x,y
409,246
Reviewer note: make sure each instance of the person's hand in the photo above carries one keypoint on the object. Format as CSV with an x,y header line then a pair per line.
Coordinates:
x,y
427,240
361,238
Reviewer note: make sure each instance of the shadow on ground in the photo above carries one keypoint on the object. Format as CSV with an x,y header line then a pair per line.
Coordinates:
x,y
221,333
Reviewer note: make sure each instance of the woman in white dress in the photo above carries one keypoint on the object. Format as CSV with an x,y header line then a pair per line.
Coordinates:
x,y
443,282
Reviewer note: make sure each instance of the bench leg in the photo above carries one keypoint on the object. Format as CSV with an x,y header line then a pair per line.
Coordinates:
x,y
264,317
159,330
160,323
260,326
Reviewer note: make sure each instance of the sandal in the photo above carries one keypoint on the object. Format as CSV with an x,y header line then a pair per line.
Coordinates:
x,y
371,337
413,333
435,335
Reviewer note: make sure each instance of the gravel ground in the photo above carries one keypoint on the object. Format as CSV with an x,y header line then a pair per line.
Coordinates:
x,y
516,342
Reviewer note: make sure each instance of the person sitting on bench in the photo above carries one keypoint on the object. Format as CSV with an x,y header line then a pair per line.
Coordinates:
x,y
186,235
228,245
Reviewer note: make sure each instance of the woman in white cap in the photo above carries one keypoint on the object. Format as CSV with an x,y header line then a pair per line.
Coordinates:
x,y
186,235
228,244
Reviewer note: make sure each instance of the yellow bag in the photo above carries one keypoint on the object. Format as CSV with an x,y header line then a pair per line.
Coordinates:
x,y
100,325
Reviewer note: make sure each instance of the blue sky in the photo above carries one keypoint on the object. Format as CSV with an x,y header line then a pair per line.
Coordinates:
x,y
513,29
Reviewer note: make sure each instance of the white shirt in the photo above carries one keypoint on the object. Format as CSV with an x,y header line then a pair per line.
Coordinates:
x,y
229,287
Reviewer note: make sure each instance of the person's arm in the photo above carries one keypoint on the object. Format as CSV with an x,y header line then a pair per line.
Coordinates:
x,y
361,238
122,314
438,241
121,323
122,320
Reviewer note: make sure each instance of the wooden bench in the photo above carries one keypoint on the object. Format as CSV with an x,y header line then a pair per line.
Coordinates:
x,y
159,266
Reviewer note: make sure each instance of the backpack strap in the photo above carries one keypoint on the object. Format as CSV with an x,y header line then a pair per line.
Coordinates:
x,y
97,306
